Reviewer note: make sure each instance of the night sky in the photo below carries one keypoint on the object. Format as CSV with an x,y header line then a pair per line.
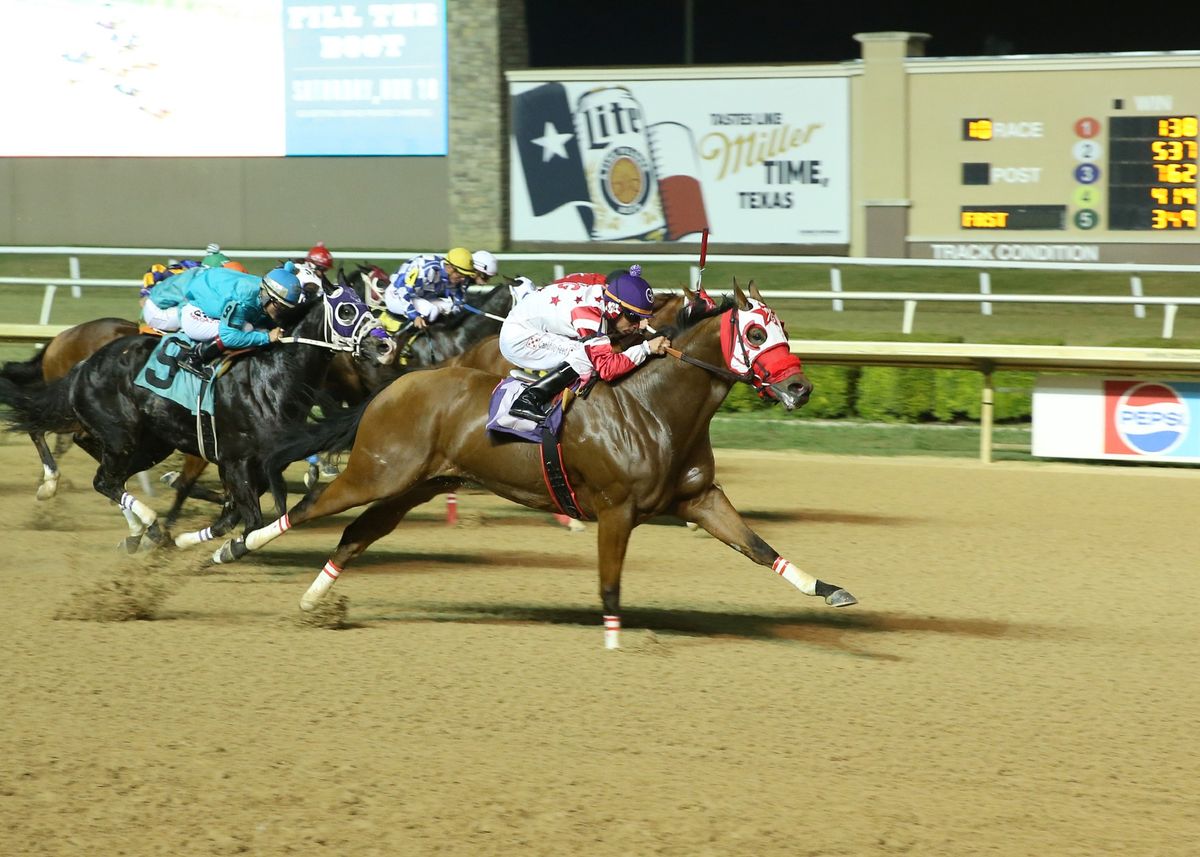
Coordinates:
x,y
651,32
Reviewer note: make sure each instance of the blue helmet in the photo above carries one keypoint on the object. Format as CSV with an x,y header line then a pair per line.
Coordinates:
x,y
282,286
630,292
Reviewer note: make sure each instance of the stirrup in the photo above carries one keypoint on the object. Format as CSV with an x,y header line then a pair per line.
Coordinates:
x,y
204,371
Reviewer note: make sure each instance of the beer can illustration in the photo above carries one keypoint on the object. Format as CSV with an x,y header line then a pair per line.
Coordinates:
x,y
673,151
618,165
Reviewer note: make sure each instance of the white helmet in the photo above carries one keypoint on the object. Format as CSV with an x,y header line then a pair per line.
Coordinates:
x,y
485,263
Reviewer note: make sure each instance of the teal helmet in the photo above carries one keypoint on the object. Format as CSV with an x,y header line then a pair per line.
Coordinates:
x,y
282,286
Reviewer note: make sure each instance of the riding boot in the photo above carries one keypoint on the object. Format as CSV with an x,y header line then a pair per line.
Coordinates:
x,y
535,400
195,361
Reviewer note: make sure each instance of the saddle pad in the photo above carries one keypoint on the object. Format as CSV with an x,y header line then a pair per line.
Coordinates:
x,y
499,419
162,375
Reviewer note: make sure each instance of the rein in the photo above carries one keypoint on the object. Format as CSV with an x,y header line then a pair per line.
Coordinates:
x,y
707,367
320,343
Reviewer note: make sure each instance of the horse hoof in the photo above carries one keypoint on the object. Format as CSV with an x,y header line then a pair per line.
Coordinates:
x,y
311,477
330,470
231,551
130,544
576,526
309,604
169,478
47,490
840,598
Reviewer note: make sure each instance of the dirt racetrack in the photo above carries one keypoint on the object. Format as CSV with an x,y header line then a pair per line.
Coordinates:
x,y
1020,678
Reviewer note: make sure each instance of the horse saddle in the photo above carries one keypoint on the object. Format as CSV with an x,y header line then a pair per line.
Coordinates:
x,y
546,435
499,419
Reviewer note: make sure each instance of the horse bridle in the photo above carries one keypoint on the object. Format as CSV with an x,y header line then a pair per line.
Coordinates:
x,y
351,343
721,371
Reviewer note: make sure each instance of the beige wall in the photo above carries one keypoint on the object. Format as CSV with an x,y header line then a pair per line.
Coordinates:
x,y
237,202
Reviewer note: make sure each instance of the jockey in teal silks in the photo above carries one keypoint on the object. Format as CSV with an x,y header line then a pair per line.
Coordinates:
x,y
224,309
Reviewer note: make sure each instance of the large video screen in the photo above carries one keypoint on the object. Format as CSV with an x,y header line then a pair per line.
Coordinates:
x,y
177,78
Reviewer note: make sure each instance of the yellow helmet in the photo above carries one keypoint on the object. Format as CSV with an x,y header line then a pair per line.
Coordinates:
x,y
460,259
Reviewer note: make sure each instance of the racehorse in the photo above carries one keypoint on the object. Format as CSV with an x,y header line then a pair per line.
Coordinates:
x,y
61,354
127,428
632,450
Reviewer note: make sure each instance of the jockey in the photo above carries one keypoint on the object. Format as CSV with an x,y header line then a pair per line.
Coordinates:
x,y
485,264
563,327
215,258
429,286
311,270
160,287
224,309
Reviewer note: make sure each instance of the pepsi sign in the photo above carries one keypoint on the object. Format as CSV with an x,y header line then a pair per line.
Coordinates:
x,y
1148,419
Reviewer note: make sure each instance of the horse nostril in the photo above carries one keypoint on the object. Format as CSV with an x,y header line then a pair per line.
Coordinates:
x,y
800,391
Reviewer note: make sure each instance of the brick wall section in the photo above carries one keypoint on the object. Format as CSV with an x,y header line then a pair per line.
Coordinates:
x,y
486,37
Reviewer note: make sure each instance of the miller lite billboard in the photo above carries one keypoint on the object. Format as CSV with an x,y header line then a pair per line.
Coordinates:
x,y
1132,420
756,161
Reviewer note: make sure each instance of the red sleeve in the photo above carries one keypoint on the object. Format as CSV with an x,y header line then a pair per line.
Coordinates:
x,y
608,363
586,320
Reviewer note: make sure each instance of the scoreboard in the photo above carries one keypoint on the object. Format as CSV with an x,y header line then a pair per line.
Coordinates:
x,y
1131,173
1152,172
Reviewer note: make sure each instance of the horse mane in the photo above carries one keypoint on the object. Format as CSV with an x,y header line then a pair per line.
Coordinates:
x,y
694,312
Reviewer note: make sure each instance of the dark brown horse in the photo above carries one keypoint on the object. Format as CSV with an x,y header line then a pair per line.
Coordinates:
x,y
61,354
633,450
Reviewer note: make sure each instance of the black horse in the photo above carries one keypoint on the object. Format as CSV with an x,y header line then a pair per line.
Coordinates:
x,y
353,381
127,428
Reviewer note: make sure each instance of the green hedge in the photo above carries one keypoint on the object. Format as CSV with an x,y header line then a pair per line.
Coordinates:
x,y
891,395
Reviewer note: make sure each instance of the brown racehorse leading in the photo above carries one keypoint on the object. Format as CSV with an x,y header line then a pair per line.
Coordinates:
x,y
61,354
632,450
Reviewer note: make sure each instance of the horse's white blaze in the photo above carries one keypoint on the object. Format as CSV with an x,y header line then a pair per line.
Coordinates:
x,y
328,576
187,540
129,503
265,535
612,632
803,581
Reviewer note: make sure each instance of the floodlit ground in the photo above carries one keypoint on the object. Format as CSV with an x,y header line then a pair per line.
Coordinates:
x,y
1019,679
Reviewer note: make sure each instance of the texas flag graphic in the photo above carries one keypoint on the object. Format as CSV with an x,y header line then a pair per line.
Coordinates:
x,y
544,129
627,179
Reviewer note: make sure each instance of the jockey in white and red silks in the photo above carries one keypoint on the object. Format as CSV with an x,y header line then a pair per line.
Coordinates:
x,y
563,328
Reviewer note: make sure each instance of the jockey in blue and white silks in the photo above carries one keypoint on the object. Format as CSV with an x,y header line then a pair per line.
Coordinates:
x,y
429,286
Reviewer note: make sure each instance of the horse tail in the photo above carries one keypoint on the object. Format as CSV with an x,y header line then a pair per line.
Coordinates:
x,y
39,409
25,372
333,432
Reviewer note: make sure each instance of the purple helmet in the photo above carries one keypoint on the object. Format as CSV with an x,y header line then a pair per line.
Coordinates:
x,y
630,292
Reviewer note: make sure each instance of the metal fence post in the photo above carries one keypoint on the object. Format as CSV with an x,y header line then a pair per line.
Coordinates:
x,y
76,291
985,288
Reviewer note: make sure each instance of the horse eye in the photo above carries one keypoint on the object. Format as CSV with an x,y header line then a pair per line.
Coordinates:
x,y
347,313
756,334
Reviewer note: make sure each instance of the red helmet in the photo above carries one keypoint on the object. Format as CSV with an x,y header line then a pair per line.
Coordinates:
x,y
320,256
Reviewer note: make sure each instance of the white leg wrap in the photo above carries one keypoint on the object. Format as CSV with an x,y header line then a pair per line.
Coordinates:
x,y
806,583
130,503
187,540
612,632
328,576
265,535
136,527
